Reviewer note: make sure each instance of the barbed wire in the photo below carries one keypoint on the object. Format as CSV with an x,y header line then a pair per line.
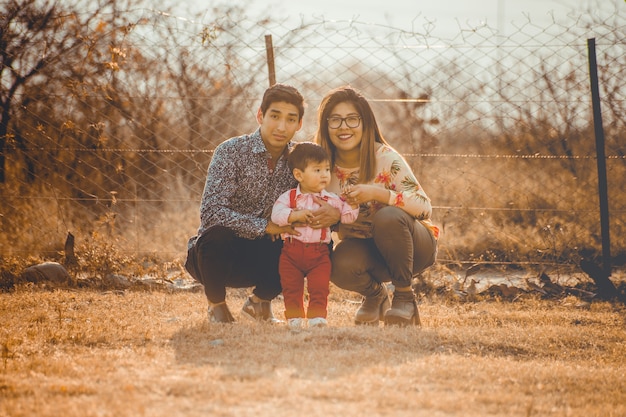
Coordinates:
x,y
411,155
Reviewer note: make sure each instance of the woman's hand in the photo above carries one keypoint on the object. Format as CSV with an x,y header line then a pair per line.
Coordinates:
x,y
358,194
325,216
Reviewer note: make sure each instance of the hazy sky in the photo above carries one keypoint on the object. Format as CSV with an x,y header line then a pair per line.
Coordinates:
x,y
447,16
444,18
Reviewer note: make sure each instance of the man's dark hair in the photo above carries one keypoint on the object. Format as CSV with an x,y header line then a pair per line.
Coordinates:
x,y
305,153
285,93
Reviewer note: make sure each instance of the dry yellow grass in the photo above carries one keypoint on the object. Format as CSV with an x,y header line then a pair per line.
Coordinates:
x,y
89,353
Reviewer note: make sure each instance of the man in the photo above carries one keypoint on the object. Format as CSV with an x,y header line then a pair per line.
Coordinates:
x,y
237,245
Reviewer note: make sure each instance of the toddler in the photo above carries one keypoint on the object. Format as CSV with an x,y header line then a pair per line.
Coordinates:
x,y
307,255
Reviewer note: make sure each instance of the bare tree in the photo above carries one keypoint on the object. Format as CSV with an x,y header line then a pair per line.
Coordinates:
x,y
34,36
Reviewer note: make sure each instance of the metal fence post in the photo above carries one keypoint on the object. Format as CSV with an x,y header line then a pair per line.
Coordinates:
x,y
601,158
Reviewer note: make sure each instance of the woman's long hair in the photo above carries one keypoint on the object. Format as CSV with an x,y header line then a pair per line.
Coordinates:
x,y
371,132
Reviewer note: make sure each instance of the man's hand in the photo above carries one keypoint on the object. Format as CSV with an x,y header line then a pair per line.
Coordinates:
x,y
274,231
325,216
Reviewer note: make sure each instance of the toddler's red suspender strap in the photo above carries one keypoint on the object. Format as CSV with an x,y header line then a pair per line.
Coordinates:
x,y
292,198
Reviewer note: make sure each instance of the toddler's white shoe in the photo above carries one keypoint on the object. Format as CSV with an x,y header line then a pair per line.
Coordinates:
x,y
295,323
318,322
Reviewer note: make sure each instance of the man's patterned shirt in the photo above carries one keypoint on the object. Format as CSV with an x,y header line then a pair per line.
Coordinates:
x,y
242,186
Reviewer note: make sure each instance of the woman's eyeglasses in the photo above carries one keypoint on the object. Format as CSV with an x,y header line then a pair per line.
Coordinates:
x,y
351,122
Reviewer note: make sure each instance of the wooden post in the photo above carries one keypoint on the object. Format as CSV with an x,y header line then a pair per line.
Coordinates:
x,y
270,59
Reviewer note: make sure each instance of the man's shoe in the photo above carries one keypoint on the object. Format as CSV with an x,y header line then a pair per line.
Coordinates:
x,y
219,313
403,310
259,311
373,307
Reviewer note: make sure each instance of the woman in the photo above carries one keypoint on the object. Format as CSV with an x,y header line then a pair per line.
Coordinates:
x,y
392,238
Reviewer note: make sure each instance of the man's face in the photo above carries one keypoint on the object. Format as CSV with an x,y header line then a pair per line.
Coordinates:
x,y
278,126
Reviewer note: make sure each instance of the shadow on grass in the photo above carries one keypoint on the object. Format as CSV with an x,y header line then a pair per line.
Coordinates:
x,y
251,350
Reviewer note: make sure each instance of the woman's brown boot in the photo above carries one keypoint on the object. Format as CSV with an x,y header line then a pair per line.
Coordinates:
x,y
374,306
403,309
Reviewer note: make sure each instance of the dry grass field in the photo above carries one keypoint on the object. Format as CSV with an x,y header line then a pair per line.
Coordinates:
x,y
137,353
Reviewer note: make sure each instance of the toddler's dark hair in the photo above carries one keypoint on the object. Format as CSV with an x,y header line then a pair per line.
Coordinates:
x,y
304,153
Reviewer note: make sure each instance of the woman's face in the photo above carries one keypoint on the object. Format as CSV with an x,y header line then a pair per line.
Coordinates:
x,y
345,127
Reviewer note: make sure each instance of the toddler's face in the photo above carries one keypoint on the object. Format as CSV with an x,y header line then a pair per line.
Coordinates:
x,y
315,177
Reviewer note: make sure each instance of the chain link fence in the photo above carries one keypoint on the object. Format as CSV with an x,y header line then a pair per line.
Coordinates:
x,y
109,137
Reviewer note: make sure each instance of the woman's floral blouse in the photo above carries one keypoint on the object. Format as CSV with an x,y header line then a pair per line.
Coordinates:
x,y
393,174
